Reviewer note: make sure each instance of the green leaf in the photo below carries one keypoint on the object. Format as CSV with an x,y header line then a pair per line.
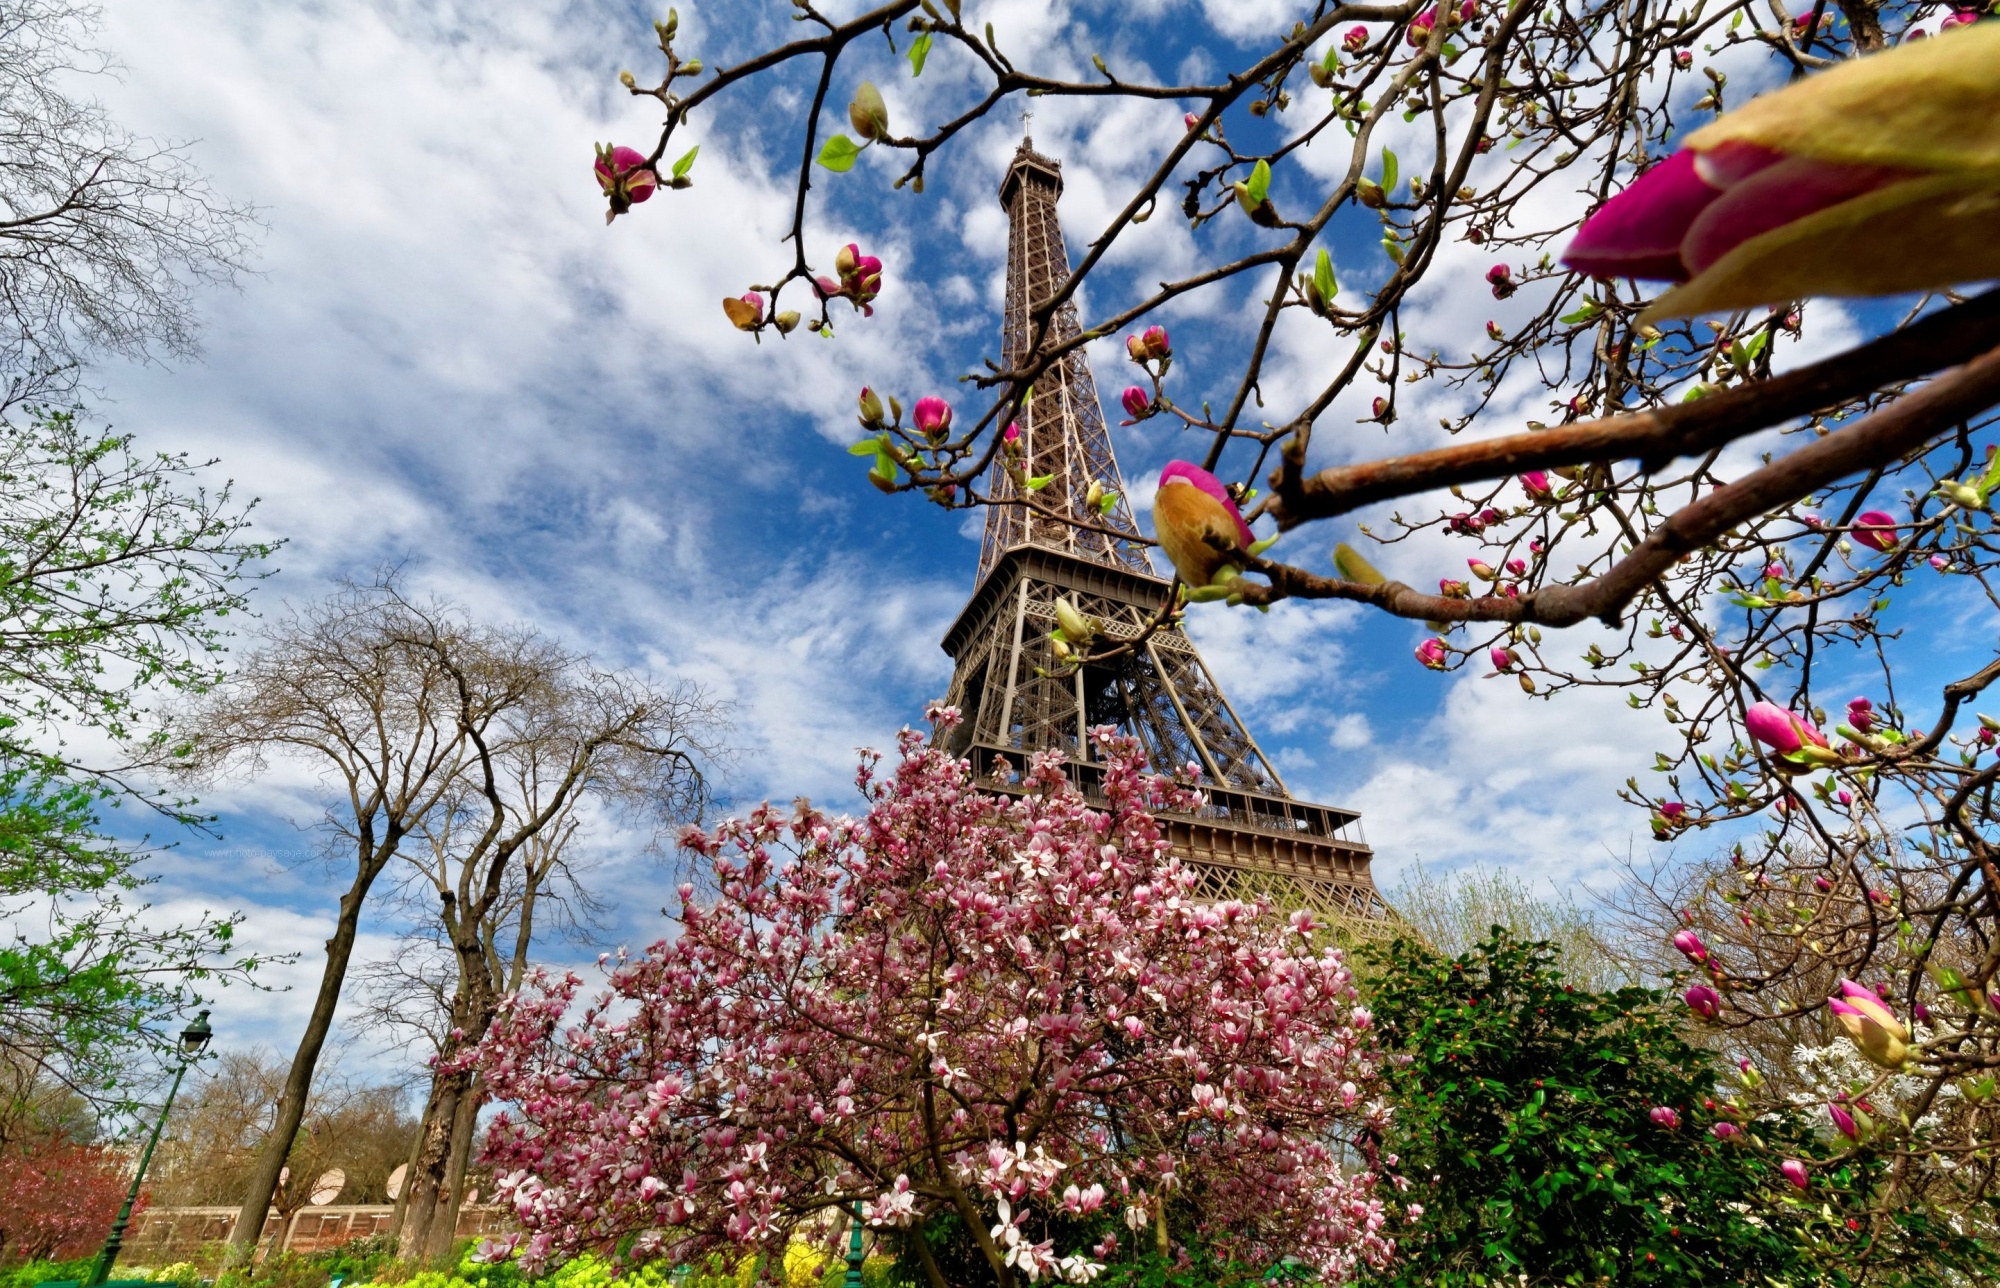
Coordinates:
x,y
1039,481
686,163
1323,275
1259,183
866,447
837,153
1584,314
1390,171
920,49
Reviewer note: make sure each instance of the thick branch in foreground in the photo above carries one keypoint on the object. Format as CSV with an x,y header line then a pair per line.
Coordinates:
x,y
1944,338
1901,427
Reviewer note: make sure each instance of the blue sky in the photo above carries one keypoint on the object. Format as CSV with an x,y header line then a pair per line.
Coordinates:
x,y
448,359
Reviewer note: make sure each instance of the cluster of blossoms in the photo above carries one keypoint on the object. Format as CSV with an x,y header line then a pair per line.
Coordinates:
x,y
959,1002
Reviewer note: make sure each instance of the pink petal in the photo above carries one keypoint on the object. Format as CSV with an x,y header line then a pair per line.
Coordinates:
x,y
1638,233
1208,483
1773,196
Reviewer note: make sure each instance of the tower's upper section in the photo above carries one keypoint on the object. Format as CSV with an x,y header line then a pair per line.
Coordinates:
x,y
1063,434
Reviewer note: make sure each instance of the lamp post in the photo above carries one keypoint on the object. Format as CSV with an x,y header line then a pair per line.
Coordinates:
x,y
193,1038
854,1250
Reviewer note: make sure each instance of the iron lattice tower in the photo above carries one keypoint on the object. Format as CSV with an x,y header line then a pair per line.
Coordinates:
x,y
1253,836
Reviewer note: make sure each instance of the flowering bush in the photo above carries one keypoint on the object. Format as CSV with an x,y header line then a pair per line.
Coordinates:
x,y
1006,1011
1574,1136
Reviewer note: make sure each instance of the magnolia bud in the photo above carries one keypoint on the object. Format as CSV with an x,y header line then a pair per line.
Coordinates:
x,y
871,408
1075,626
786,322
628,80
868,114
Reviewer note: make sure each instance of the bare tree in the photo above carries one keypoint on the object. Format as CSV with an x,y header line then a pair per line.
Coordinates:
x,y
585,742
104,235
361,1128
413,716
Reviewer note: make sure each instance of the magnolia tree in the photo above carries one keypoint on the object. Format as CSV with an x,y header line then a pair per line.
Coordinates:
x,y
1589,453
1004,1012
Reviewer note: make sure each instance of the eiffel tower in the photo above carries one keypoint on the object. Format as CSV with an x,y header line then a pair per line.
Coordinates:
x,y
1252,837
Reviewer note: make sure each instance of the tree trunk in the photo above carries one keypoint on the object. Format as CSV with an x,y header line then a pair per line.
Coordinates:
x,y
427,1178
271,1156
444,1224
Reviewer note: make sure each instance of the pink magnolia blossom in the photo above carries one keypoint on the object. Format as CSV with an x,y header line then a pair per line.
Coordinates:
x,y
1663,1116
1689,211
1501,279
1691,947
1724,1130
1861,714
1875,529
1191,122
1870,1024
1780,730
931,416
1843,1121
1355,40
860,279
1198,523
625,178
968,953
1137,402
1149,345
1536,484
1794,1171
1703,1001
1502,659
1432,654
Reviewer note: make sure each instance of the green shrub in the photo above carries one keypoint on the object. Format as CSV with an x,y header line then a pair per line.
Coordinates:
x,y
30,1273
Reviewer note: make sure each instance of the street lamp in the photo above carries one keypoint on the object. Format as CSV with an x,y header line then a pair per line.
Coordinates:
x,y
193,1038
854,1250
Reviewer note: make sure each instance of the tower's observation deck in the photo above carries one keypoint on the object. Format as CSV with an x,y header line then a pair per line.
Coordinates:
x,y
1252,837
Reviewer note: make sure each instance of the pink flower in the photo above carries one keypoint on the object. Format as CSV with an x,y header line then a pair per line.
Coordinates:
x,y
860,279
1519,567
1191,121
1683,58
625,178
1536,484
1723,1131
1780,730
1861,714
1011,436
1481,570
1453,589
1843,1121
1379,407
1420,28
1775,570
1490,516
1150,344
1957,18
1673,811
1138,403
1502,659
1870,1024
1939,562
1663,1116
1689,211
1875,529
746,313
1501,279
1703,1001
1355,40
1432,654
1794,1171
931,416
1197,522
1690,944
1493,331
